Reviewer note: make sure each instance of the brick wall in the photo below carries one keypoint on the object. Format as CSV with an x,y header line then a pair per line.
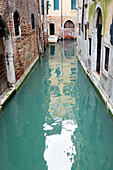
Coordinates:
x,y
65,33
25,45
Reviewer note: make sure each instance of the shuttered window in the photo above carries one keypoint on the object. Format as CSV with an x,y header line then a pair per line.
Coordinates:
x,y
73,4
56,4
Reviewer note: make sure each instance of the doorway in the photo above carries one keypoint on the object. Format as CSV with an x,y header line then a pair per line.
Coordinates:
x,y
52,31
99,37
7,69
3,72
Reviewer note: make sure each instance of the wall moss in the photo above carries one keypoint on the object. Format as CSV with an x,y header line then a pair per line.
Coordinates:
x,y
105,4
0,109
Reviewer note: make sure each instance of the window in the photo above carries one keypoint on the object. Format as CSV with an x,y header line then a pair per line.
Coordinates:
x,y
42,26
79,28
16,22
73,4
106,58
32,21
39,32
69,24
90,46
85,32
56,4
47,7
42,5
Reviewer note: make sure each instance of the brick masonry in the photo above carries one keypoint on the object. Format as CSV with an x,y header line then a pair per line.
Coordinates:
x,y
66,33
25,46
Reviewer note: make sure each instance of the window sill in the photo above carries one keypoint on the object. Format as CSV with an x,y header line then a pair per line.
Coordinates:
x,y
33,30
73,10
95,73
18,36
105,73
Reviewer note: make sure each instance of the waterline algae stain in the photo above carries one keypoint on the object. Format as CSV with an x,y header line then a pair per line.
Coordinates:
x,y
56,120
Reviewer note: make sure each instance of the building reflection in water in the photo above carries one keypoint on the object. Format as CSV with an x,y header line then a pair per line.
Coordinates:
x,y
52,50
60,122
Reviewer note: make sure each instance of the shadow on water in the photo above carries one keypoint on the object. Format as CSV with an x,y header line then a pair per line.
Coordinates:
x,y
56,121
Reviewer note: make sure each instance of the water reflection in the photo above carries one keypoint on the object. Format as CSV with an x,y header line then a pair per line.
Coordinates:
x,y
52,50
60,123
60,151
56,120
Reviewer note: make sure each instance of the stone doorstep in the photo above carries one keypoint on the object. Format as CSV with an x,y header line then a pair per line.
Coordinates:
x,y
53,38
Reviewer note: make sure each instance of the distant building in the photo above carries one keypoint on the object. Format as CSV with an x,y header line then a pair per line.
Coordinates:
x,y
95,44
23,36
62,18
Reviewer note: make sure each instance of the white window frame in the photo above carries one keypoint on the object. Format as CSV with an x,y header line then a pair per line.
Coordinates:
x,y
104,52
18,36
89,37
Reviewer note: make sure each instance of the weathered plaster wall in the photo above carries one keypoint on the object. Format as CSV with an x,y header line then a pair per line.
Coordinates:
x,y
66,8
54,16
107,7
104,80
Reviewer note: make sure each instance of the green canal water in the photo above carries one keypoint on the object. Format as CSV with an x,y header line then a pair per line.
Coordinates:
x,y
56,120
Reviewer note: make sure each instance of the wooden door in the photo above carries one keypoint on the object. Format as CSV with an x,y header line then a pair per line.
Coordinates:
x,y
3,73
99,29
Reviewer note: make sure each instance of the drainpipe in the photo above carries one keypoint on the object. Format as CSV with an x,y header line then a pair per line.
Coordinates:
x,y
61,13
77,25
61,21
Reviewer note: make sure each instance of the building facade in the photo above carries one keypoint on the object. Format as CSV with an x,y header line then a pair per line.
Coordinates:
x,y
23,36
61,18
95,44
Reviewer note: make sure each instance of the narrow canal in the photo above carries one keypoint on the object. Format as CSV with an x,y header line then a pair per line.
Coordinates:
x,y
56,121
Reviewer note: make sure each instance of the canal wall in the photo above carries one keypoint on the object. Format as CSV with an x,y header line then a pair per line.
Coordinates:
x,y
95,45
99,89
23,36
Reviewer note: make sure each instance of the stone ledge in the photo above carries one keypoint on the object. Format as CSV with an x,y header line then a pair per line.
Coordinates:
x,y
10,91
26,73
6,95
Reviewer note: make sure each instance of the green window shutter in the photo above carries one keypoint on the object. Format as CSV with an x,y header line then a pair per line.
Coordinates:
x,y
42,4
56,4
73,4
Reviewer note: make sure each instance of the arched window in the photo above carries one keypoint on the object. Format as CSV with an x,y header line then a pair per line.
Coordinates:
x,y
32,21
69,24
16,22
